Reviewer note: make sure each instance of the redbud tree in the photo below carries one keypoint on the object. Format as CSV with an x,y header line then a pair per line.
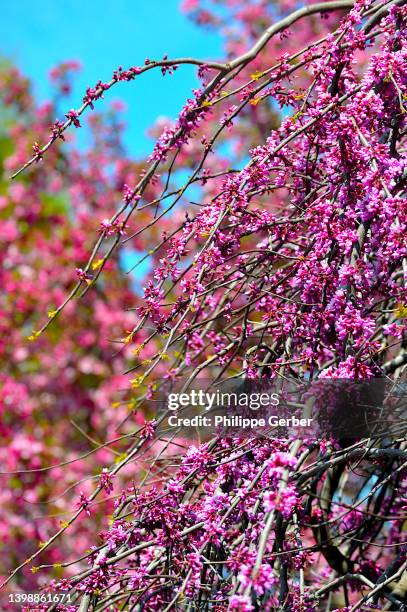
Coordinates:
x,y
272,211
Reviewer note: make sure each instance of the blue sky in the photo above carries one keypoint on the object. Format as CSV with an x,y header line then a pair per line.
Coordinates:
x,y
103,34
